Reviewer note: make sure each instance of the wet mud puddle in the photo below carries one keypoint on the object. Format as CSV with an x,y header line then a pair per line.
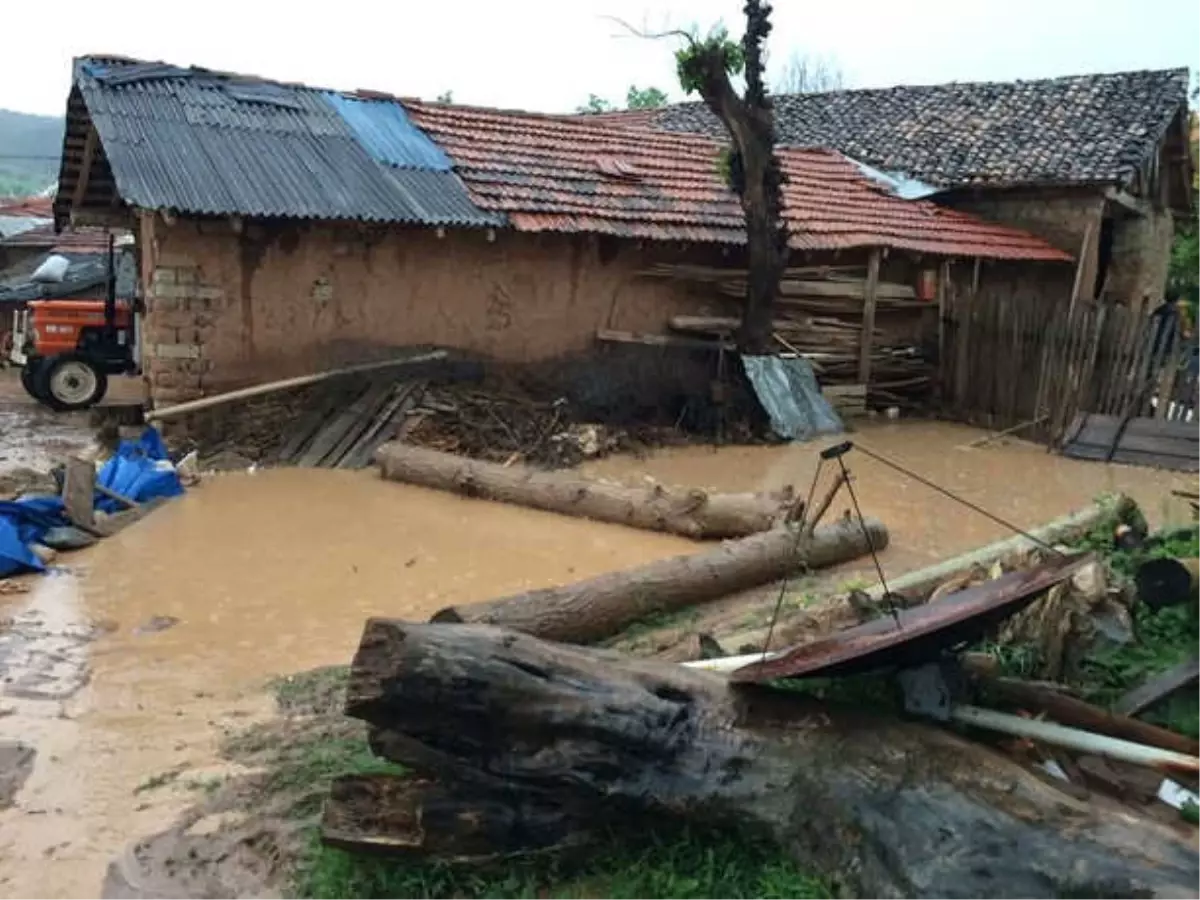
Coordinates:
x,y
123,672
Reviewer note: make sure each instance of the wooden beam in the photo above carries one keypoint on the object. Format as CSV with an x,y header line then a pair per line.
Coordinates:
x,y
1128,202
610,336
1150,692
1081,263
870,295
85,168
79,492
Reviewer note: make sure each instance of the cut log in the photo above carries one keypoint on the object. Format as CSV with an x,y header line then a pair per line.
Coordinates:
x,y
694,514
878,806
918,585
600,607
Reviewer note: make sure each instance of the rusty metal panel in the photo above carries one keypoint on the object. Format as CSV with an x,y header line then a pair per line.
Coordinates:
x,y
924,631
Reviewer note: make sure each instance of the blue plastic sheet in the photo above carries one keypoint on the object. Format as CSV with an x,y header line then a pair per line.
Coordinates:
x,y
788,391
22,523
140,470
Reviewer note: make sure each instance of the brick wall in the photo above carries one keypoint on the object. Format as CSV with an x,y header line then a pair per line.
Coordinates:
x,y
226,309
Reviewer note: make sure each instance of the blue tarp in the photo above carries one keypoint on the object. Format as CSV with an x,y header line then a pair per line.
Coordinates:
x,y
140,470
788,391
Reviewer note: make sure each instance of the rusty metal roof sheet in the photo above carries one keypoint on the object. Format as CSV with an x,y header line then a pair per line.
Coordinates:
x,y
593,174
924,631
211,143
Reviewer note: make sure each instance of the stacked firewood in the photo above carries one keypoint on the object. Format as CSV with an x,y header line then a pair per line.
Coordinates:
x,y
819,317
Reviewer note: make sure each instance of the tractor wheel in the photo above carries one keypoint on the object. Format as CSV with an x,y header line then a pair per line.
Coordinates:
x,y
29,379
69,382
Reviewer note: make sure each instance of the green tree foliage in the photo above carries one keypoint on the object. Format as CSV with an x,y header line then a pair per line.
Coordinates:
x,y
445,97
635,98
1184,274
644,98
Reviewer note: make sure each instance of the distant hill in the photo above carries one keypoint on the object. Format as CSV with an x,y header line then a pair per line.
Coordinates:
x,y
29,150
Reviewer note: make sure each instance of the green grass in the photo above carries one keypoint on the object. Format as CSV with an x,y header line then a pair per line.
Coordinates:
x,y
156,781
680,864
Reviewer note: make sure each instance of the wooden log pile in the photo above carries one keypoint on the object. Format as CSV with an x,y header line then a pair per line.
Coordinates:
x,y
819,316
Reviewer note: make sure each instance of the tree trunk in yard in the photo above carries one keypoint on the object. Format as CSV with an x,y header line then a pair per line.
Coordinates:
x,y
600,607
755,172
694,514
881,807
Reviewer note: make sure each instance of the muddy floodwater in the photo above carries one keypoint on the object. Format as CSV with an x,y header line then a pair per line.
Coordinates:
x,y
123,669
1018,481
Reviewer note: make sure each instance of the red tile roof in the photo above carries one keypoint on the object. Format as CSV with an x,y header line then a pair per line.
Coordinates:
x,y
71,240
595,174
33,207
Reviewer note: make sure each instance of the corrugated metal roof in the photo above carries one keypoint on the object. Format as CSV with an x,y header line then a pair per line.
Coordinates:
x,y
594,174
384,129
206,143
14,225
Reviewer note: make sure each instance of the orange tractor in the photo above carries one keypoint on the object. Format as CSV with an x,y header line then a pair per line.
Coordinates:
x,y
67,348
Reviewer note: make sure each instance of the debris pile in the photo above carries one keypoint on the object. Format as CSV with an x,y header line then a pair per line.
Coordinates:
x,y
501,422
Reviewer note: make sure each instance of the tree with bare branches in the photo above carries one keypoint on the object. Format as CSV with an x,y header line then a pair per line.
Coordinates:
x,y
807,74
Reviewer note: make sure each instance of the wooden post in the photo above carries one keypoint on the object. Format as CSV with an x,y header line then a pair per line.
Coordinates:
x,y
962,375
870,291
85,169
942,286
79,492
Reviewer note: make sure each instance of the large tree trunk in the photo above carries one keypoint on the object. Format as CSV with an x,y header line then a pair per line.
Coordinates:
x,y
600,607
881,807
694,514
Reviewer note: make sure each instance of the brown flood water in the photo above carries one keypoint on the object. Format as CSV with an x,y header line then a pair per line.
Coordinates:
x,y
267,573
274,572
1017,481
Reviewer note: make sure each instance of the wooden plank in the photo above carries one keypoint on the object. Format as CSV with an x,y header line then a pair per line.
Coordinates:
x,y
360,454
85,168
308,426
365,409
853,290
1161,686
79,492
109,525
329,436
608,335
419,362
870,295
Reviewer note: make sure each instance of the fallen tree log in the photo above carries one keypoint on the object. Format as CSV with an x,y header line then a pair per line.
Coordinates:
x,y
695,514
917,586
879,806
600,607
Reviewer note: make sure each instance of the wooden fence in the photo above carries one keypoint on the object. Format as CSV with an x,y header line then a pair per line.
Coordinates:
x,y
1021,363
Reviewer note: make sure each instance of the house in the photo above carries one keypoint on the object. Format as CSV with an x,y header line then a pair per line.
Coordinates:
x,y
1094,164
19,216
284,228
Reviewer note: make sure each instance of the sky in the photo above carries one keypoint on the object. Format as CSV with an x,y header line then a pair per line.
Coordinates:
x,y
551,54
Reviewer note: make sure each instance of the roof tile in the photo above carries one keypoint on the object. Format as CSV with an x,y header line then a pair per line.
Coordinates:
x,y
554,173
1076,130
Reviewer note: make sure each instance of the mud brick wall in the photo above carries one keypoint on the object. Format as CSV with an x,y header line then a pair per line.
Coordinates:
x,y
228,308
1060,217
1141,255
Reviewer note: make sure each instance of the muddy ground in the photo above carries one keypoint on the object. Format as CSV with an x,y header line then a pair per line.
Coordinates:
x,y
127,671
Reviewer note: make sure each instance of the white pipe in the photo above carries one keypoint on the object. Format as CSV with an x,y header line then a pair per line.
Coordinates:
x,y
1075,739
730,663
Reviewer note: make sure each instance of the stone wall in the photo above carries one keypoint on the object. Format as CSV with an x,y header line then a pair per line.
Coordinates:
x,y
226,309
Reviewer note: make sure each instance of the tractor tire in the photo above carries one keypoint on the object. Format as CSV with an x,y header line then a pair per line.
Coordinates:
x,y
29,379
69,382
